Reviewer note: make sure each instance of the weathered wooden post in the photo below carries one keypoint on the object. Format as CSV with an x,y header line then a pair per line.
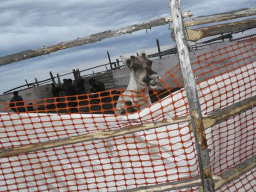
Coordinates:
x,y
27,83
118,64
52,77
106,67
36,82
109,59
192,96
75,74
158,48
78,73
58,77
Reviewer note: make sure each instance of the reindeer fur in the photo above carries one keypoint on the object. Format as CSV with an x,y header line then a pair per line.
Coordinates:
x,y
142,78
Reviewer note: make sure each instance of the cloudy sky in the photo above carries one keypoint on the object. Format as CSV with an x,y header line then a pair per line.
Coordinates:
x,y
32,24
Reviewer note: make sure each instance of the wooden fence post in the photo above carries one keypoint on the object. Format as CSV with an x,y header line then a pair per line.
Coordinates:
x,y
117,63
158,48
78,75
75,74
109,59
192,96
27,83
36,82
58,77
52,77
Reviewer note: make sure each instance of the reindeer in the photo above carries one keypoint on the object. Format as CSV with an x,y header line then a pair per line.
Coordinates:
x,y
142,77
136,97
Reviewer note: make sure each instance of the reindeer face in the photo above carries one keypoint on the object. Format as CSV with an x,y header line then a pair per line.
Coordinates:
x,y
141,70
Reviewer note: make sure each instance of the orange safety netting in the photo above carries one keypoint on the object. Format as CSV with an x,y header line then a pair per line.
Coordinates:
x,y
165,154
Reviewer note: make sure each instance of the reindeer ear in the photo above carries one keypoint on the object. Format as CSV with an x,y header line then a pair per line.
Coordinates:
x,y
143,54
132,57
126,61
123,59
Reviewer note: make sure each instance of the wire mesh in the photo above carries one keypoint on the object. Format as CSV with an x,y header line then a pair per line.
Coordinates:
x,y
143,158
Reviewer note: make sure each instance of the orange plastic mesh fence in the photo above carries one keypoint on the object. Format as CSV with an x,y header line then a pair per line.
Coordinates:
x,y
144,158
244,183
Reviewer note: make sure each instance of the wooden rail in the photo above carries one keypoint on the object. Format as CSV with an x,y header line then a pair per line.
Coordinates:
x,y
199,33
210,120
219,180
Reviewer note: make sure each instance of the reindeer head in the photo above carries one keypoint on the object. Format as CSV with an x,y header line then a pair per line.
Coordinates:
x,y
141,70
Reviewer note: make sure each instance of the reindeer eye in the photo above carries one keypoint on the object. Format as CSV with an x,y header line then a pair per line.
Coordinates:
x,y
135,67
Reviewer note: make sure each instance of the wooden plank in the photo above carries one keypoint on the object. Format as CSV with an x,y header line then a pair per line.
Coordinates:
x,y
192,97
210,120
169,186
86,137
219,180
199,33
236,172
220,17
223,114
